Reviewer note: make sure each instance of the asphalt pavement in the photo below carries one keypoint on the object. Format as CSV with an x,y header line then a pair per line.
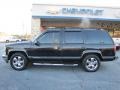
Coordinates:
x,y
48,77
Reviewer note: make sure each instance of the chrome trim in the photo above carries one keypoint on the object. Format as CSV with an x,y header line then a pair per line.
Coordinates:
x,y
18,62
91,64
109,57
52,57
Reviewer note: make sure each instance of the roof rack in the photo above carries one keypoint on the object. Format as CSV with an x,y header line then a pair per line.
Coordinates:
x,y
75,28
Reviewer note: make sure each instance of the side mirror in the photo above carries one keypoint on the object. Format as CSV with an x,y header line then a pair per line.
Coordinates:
x,y
37,43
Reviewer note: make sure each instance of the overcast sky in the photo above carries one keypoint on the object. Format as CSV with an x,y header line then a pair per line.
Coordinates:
x,y
15,15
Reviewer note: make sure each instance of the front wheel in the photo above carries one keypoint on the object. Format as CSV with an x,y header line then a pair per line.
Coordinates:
x,y
18,61
91,63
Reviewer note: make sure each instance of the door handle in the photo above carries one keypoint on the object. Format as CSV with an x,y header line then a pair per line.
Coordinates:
x,y
56,47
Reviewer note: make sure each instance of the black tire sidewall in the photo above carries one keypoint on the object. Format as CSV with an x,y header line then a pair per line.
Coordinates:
x,y
85,59
25,61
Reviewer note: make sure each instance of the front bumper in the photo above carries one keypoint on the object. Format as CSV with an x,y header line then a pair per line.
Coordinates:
x,y
5,58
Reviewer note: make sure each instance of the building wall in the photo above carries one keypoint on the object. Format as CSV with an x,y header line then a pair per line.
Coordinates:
x,y
36,22
44,16
59,11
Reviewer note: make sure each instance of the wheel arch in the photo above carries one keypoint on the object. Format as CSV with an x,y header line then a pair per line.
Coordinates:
x,y
13,52
92,52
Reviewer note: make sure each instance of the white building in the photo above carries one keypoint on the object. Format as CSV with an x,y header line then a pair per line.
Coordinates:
x,y
45,16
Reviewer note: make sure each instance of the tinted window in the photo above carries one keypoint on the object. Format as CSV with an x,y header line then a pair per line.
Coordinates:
x,y
73,37
106,38
49,37
97,37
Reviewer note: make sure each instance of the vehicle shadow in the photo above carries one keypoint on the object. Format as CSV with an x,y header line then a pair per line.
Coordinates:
x,y
63,68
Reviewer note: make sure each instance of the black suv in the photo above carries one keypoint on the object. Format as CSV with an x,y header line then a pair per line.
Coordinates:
x,y
87,47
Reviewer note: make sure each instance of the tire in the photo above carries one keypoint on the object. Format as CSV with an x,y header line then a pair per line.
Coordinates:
x,y
91,63
18,61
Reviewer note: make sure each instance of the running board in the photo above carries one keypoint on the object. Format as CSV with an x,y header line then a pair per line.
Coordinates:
x,y
49,64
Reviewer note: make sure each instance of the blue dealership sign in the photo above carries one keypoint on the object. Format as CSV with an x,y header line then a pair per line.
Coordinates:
x,y
93,12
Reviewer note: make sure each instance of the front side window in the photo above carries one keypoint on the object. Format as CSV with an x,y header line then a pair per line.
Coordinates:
x,y
73,37
49,37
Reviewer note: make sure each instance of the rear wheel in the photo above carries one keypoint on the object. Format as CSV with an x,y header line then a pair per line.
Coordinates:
x,y
18,61
91,63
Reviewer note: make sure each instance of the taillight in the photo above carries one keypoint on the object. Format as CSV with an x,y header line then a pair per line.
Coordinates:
x,y
114,48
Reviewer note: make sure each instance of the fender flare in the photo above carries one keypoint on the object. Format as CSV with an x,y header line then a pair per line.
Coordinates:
x,y
16,50
92,51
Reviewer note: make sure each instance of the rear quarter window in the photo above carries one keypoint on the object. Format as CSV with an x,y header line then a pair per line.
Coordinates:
x,y
98,37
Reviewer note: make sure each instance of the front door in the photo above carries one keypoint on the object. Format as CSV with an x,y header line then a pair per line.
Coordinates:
x,y
49,44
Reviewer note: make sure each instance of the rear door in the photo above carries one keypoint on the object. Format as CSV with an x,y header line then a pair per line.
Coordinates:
x,y
73,44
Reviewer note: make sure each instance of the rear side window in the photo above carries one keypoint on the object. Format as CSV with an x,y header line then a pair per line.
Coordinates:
x,y
73,37
98,37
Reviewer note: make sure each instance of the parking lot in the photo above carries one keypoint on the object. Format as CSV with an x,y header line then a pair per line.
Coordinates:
x,y
48,77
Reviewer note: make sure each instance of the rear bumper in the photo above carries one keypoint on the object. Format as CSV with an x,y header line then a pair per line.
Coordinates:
x,y
5,58
117,47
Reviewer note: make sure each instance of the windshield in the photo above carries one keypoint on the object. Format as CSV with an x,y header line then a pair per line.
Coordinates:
x,y
35,37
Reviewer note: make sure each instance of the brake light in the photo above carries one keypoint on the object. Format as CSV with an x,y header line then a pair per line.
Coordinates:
x,y
114,48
